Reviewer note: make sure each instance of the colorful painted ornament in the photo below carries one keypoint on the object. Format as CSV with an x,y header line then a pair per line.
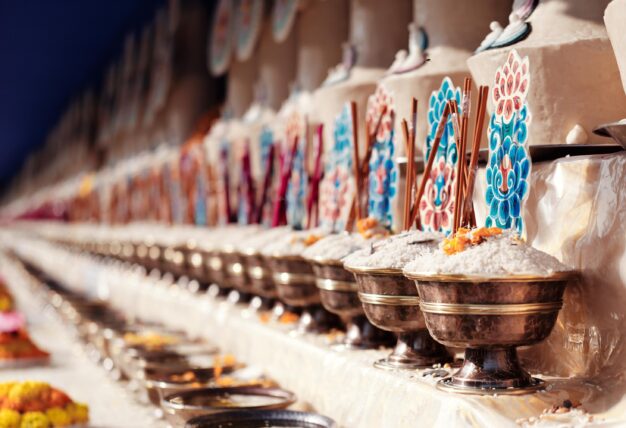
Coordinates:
x,y
437,204
248,20
220,41
383,172
337,187
509,164
283,18
296,191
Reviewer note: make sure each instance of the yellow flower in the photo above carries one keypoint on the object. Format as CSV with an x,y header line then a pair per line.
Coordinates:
x,y
9,419
6,304
35,420
28,390
58,417
5,388
81,413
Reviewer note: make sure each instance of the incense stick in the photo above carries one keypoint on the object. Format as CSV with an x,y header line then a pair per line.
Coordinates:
x,y
316,177
267,181
462,175
478,130
429,165
408,182
280,205
356,162
459,171
370,144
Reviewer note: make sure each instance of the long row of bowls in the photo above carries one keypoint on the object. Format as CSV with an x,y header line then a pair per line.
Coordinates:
x,y
187,380
488,317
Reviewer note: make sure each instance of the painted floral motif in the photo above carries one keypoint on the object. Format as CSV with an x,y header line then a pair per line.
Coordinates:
x,y
249,16
296,192
220,44
283,18
437,205
383,172
509,164
337,187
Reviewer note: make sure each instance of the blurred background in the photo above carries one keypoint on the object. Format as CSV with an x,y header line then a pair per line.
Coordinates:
x,y
66,64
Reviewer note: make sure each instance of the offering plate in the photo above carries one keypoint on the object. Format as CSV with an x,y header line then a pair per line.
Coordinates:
x,y
296,286
262,418
391,303
339,295
490,318
184,405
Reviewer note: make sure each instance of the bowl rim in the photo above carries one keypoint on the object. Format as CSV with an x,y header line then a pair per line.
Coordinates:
x,y
450,277
288,397
254,415
321,260
372,270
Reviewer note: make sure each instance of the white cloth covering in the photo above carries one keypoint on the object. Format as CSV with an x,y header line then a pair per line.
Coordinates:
x,y
342,385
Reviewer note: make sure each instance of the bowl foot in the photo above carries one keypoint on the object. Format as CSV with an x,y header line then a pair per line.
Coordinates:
x,y
489,371
316,319
361,334
238,297
415,350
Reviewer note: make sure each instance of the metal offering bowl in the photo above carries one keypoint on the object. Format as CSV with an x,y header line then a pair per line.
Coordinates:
x,y
236,272
194,259
296,285
295,281
262,418
259,274
185,405
391,303
490,317
161,382
339,295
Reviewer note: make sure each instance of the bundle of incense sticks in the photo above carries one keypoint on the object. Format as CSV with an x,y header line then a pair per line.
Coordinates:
x,y
267,182
429,164
226,183
356,162
280,204
314,185
409,141
467,215
461,175
361,169
249,184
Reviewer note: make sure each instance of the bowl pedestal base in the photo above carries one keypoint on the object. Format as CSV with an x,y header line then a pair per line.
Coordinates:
x,y
489,371
316,319
414,350
361,334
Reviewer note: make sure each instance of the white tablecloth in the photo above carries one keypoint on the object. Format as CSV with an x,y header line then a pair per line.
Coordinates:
x,y
342,385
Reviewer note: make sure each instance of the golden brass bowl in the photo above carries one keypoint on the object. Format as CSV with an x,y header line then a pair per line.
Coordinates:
x,y
259,274
339,295
296,286
490,317
391,303
184,405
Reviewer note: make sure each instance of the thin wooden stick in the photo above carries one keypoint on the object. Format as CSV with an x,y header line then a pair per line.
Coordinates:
x,y
371,140
357,168
408,190
462,175
478,130
413,120
429,165
459,172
